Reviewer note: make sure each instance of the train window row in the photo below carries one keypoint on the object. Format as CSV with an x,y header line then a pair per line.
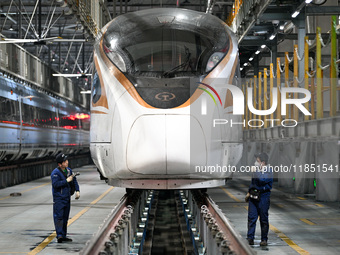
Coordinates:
x,y
9,110
38,117
35,116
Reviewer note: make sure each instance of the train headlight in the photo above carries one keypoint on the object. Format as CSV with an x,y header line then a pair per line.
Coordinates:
x,y
214,59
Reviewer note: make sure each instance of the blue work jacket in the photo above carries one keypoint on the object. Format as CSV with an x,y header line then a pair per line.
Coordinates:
x,y
262,180
60,187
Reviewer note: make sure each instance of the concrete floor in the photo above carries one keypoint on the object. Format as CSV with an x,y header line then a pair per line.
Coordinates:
x,y
26,220
298,225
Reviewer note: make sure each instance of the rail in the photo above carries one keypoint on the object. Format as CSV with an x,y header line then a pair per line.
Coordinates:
x,y
202,226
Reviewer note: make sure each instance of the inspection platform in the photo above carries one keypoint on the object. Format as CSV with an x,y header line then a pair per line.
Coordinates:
x,y
298,223
26,221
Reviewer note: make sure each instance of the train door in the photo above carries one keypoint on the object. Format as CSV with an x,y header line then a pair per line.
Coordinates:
x,y
79,135
18,110
58,126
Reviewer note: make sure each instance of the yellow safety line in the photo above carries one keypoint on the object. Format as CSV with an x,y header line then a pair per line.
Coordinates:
x,y
49,239
320,205
288,240
27,190
308,221
302,198
230,195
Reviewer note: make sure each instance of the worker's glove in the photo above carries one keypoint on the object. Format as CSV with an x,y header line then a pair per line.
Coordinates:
x,y
77,195
247,197
69,179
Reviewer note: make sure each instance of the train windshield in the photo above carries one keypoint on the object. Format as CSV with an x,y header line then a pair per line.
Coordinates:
x,y
172,43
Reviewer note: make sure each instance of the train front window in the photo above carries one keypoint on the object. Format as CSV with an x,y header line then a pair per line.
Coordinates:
x,y
165,52
175,49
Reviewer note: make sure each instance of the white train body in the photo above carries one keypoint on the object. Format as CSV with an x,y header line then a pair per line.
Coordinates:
x,y
151,124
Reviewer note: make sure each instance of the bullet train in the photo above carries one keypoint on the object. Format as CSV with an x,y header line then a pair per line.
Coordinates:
x,y
157,89
35,125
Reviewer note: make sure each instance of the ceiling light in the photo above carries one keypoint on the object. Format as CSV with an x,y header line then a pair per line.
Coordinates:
x,y
72,75
245,64
282,27
263,46
241,68
295,14
11,28
257,52
272,37
308,1
85,92
251,59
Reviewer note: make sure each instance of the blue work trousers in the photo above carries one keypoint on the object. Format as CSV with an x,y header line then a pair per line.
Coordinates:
x,y
256,209
61,212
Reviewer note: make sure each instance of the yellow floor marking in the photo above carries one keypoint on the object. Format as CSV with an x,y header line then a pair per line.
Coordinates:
x,y
288,240
49,239
230,195
280,205
308,221
320,205
3,198
302,198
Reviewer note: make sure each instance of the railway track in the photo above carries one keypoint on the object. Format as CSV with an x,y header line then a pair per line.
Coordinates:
x,y
166,222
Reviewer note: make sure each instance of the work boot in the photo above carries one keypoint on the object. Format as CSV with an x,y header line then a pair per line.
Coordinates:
x,y
60,239
263,243
250,241
65,239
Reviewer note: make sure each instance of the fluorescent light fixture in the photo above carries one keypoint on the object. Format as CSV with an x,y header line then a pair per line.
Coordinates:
x,y
251,59
295,14
282,27
308,1
241,68
85,92
263,46
245,64
72,74
257,52
272,37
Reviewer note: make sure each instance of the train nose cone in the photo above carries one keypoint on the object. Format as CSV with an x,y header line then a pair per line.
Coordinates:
x,y
165,145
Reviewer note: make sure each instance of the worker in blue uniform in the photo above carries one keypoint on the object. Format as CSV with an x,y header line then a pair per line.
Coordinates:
x,y
63,184
259,198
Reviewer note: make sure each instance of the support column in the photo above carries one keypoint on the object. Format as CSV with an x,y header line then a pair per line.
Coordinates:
x,y
256,64
274,54
59,53
334,67
20,20
114,9
39,24
300,23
